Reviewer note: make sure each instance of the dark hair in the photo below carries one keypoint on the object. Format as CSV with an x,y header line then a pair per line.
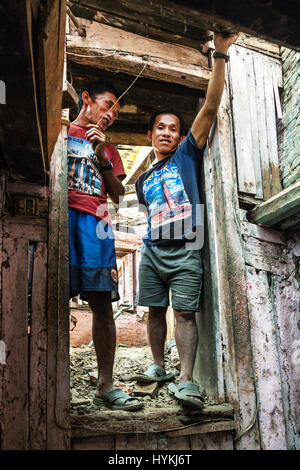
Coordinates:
x,y
95,88
167,111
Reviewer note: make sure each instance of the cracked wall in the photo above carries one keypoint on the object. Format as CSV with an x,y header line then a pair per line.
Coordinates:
x,y
272,272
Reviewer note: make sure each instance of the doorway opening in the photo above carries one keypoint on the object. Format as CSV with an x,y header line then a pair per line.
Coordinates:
x,y
133,353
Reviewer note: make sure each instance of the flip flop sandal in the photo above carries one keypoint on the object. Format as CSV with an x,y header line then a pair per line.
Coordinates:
x,y
117,399
153,374
186,392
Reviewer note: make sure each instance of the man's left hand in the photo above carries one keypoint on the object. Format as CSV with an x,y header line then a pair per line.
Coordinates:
x,y
222,42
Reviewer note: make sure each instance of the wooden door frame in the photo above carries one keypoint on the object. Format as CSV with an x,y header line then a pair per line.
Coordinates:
x,y
228,279
232,354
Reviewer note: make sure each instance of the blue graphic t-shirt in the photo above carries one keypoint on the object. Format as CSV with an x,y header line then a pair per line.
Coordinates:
x,y
169,192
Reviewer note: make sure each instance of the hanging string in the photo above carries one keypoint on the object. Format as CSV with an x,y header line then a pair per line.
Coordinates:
x,y
126,91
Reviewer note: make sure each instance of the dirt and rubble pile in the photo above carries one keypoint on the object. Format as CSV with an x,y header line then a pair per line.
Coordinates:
x,y
128,361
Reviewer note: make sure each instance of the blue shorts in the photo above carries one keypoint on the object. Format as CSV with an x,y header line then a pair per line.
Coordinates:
x,y
92,256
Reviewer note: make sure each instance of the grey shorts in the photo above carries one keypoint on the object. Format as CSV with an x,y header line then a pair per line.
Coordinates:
x,y
170,268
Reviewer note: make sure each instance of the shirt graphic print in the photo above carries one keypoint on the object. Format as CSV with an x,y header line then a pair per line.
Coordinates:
x,y
165,196
83,172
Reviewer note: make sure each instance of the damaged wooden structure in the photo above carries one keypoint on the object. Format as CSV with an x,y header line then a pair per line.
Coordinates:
x,y
248,354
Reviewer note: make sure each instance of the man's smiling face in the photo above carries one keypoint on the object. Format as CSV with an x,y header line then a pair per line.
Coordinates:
x,y
165,135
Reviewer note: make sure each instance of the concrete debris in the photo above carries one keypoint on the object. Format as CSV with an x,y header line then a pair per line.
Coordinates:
x,y
128,361
146,389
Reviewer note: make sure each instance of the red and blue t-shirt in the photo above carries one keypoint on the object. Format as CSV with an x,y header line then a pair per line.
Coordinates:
x,y
86,188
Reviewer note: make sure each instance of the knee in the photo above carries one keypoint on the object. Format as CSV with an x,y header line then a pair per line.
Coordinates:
x,y
185,316
157,311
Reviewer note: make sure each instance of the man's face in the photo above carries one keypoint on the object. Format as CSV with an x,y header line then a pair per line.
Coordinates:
x,y
98,108
165,135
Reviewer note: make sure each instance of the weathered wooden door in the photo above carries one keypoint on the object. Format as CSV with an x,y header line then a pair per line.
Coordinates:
x,y
34,316
24,333
255,80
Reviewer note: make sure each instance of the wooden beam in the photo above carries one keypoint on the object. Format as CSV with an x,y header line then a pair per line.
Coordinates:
x,y
150,420
228,283
160,33
142,161
157,14
115,50
70,96
101,36
262,19
264,234
58,367
278,208
147,96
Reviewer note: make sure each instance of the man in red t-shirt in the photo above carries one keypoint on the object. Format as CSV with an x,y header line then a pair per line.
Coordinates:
x,y
95,169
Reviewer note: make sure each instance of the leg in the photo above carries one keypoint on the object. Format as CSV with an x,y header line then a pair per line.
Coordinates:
x,y
186,337
104,338
157,331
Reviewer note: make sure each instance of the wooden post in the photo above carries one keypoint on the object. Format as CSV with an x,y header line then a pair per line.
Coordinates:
x,y
228,279
38,351
58,381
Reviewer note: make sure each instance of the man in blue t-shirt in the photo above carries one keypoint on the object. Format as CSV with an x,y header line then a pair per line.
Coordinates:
x,y
171,259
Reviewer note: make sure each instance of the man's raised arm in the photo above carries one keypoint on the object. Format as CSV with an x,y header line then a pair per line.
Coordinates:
x,y
207,114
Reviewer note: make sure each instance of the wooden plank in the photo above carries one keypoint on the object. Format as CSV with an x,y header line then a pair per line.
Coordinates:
x,y
278,208
14,333
142,29
110,40
23,187
242,121
229,285
268,257
212,441
276,94
267,21
130,441
205,428
287,315
163,16
173,443
150,420
271,128
261,117
259,45
250,57
266,362
208,367
192,76
114,50
30,228
38,351
58,370
264,234
70,97
94,443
